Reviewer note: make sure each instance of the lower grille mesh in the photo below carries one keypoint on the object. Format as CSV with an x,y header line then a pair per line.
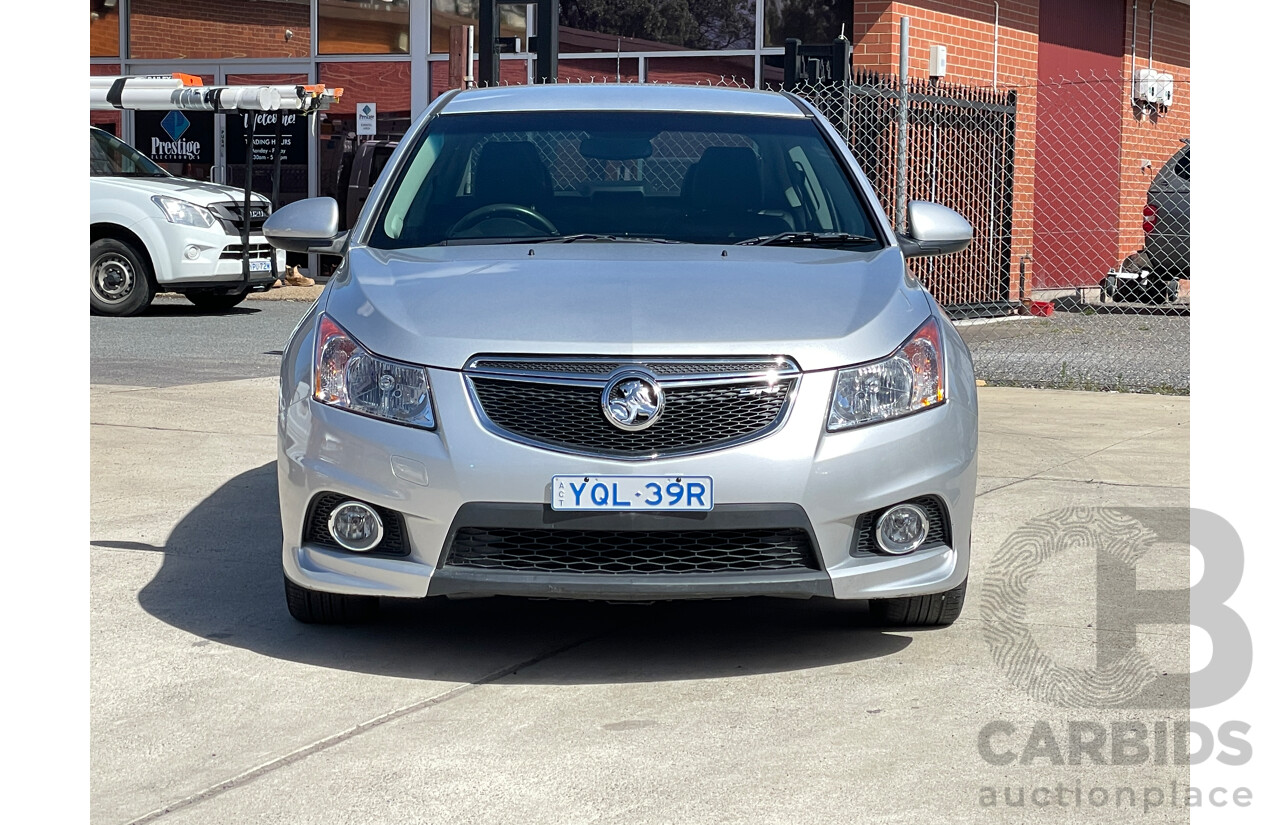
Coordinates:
x,y
631,552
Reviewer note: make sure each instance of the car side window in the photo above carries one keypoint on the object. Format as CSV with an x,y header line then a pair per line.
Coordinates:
x,y
1182,168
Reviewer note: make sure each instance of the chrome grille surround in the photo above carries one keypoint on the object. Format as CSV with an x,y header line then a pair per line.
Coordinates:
x,y
553,402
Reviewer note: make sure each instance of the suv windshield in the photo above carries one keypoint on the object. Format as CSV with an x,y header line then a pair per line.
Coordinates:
x,y
666,176
110,156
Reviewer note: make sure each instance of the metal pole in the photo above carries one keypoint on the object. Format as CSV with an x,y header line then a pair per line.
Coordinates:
x,y
488,37
248,193
900,197
548,13
275,181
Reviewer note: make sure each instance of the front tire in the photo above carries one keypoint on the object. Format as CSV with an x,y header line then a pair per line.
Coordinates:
x,y
933,610
216,300
120,281
317,607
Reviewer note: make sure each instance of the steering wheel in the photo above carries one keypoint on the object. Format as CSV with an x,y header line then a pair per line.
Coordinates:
x,y
508,210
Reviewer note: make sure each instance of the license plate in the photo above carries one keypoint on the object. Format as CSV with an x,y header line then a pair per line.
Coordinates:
x,y
260,266
631,493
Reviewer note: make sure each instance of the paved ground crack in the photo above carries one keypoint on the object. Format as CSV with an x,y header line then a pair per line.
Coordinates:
x,y
363,727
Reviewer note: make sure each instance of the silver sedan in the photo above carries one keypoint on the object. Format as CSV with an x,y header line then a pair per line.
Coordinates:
x,y
625,343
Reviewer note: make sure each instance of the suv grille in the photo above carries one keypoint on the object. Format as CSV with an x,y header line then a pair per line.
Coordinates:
x,y
557,404
232,216
631,552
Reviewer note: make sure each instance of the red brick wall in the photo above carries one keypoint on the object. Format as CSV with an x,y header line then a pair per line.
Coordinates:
x,y
212,29
1152,136
967,29
104,32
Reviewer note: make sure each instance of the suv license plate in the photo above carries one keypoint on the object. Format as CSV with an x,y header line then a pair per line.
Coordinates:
x,y
631,493
260,266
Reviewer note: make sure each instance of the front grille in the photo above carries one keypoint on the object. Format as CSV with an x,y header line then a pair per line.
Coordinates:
x,y
232,252
631,552
864,538
696,418
317,527
231,215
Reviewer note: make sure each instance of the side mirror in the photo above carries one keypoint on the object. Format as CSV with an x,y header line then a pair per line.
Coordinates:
x,y
933,229
309,225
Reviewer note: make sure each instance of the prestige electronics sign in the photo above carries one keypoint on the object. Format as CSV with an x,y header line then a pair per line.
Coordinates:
x,y
175,137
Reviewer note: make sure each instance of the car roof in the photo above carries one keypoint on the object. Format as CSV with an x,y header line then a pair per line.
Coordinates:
x,y
623,97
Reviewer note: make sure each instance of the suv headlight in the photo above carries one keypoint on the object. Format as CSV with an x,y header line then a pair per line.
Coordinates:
x,y
908,381
185,213
350,377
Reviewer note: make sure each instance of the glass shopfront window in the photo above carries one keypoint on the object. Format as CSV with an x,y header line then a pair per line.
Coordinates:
x,y
603,70
717,71
215,29
363,26
387,86
813,21
510,73
104,28
649,26
447,13
292,184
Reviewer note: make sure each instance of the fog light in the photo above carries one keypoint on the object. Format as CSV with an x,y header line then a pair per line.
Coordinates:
x,y
191,253
355,526
901,529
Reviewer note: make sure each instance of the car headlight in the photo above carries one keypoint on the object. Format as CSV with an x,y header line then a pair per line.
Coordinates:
x,y
908,381
178,211
350,377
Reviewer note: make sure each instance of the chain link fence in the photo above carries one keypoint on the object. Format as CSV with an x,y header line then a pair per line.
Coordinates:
x,y
1078,274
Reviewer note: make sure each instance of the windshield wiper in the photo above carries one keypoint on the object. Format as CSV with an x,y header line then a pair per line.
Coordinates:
x,y
809,239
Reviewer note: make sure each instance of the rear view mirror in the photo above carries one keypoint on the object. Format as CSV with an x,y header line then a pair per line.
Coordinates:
x,y
933,229
309,225
616,148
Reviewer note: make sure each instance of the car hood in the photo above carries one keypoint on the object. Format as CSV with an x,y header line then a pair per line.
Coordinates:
x,y
442,306
193,191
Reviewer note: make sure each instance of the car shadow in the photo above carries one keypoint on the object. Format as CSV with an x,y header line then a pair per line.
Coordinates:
x,y
221,580
182,309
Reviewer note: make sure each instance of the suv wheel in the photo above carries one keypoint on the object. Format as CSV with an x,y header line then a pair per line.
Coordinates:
x,y
934,610
316,607
119,279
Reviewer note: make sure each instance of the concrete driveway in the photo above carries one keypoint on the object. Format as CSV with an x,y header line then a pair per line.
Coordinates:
x,y
210,704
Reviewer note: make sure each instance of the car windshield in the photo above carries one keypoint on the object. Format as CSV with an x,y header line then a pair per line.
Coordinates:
x,y
636,176
109,156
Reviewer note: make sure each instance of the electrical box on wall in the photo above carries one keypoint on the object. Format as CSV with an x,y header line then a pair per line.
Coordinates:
x,y
1145,87
1164,90
937,61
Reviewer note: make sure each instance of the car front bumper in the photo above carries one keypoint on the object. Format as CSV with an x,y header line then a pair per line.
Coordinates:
x,y
798,475
206,257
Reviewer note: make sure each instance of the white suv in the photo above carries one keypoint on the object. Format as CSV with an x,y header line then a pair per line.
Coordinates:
x,y
151,231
